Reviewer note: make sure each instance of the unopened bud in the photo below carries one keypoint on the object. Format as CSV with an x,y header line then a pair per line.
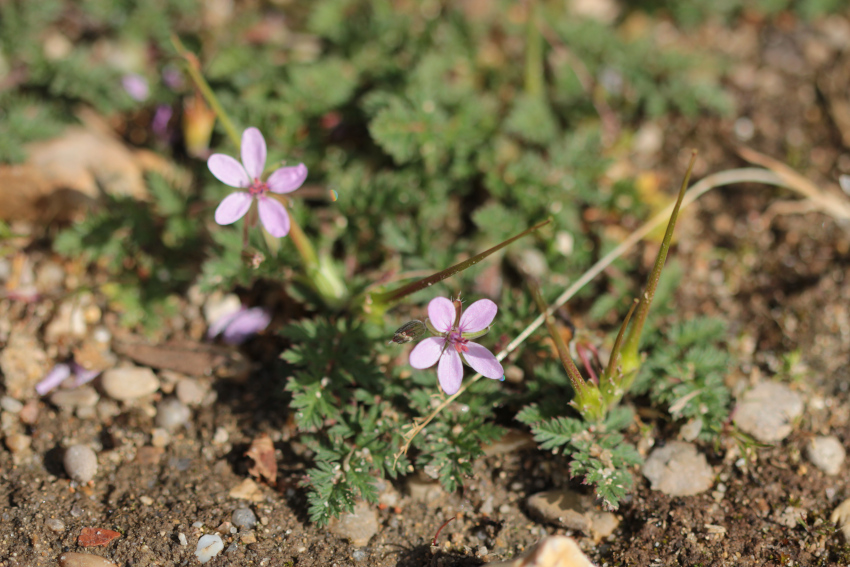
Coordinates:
x,y
410,331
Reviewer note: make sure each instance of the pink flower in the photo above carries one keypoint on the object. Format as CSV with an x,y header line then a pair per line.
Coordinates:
x,y
136,86
246,175
452,347
235,328
61,372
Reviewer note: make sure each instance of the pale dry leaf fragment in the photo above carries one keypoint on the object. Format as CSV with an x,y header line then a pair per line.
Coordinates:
x,y
247,490
261,452
841,517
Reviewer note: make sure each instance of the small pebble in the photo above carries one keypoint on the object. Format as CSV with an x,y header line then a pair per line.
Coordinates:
x,y
357,526
221,436
677,469
129,383
359,556
76,511
191,392
160,437
209,546
80,463
55,525
827,453
82,397
768,411
17,443
146,500
171,414
10,404
83,560
181,537
244,518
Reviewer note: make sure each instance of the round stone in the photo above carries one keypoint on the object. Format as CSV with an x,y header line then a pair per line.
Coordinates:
x,y
80,463
171,414
55,525
677,469
129,383
827,453
244,518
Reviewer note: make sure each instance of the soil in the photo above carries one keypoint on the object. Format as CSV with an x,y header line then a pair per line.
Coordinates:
x,y
780,281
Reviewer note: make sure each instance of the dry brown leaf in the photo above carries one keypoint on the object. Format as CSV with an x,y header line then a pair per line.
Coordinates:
x,y
262,453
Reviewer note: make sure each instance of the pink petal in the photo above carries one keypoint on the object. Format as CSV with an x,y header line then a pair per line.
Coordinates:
x,y
427,352
442,313
221,323
56,376
450,371
227,170
233,208
287,179
83,376
274,217
483,361
247,322
478,316
253,152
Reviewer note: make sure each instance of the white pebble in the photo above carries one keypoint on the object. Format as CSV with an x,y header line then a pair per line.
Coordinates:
x,y
83,560
171,414
128,383
209,546
10,404
80,463
827,453
55,525
181,537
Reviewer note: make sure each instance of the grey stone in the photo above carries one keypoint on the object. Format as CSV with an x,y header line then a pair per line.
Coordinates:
x,y
171,414
677,469
358,526
54,525
82,397
767,412
129,383
80,463
827,453
244,518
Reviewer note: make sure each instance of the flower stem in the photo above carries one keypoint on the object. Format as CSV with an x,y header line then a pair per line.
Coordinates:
x,y
193,66
390,297
630,357
533,53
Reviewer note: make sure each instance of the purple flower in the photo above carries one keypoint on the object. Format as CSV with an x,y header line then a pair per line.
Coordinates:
x,y
236,327
452,347
246,175
61,372
136,86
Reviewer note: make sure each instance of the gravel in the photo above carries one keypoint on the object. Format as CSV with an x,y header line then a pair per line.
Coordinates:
x,y
129,383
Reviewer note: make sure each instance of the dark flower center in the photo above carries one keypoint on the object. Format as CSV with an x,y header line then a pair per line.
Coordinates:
x,y
258,188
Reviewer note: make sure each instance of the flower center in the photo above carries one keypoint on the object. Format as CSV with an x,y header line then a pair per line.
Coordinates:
x,y
258,188
457,341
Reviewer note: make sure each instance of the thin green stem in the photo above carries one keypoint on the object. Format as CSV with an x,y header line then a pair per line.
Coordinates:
x,y
563,350
389,297
193,66
533,53
630,347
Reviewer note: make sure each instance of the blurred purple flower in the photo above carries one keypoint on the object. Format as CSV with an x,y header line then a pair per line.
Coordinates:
x,y
136,86
235,328
246,175
453,348
172,78
159,124
62,372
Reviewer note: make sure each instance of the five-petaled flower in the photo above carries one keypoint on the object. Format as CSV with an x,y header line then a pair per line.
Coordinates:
x,y
246,175
452,346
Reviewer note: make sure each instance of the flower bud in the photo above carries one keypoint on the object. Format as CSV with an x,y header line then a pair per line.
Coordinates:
x,y
410,331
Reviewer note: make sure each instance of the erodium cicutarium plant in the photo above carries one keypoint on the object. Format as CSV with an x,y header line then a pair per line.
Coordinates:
x,y
451,348
248,175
